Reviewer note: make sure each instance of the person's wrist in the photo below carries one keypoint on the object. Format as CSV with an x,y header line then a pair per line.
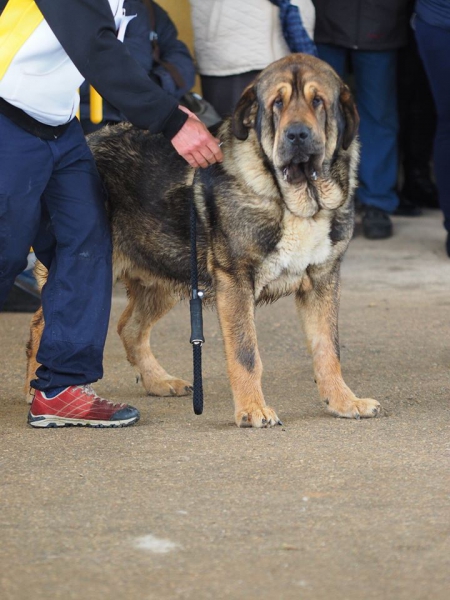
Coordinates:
x,y
175,122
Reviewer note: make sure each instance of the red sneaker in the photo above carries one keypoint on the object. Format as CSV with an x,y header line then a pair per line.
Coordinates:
x,y
79,405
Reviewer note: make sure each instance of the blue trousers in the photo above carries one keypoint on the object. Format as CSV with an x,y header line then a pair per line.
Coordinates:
x,y
434,48
376,97
52,198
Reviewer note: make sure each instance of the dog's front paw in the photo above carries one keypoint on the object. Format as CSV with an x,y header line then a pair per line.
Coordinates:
x,y
167,387
354,408
258,417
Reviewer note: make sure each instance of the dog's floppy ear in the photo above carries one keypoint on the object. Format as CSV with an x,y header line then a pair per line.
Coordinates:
x,y
349,121
244,113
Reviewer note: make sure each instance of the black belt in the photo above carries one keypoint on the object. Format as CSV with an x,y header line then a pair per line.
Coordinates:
x,y
23,120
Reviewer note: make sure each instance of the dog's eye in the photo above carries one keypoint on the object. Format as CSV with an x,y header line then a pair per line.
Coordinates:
x,y
278,103
316,101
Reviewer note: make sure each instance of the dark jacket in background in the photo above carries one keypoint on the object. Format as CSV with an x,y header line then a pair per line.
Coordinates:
x,y
362,24
137,41
434,12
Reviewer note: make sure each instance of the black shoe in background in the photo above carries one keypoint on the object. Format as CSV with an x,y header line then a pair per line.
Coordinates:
x,y
376,223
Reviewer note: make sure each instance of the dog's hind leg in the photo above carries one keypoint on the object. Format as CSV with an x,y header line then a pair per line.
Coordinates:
x,y
36,329
147,304
318,305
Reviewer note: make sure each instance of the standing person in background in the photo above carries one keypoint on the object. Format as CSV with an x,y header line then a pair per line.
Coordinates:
x,y
234,41
51,196
367,34
432,28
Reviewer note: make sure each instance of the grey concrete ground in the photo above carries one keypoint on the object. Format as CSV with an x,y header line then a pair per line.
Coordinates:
x,y
190,507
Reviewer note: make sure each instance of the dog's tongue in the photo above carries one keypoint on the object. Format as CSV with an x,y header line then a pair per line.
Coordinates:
x,y
297,173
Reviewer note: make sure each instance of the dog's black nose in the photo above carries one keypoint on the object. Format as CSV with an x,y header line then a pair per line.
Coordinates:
x,y
298,133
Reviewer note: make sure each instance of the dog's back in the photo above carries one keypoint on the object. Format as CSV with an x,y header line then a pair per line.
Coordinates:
x,y
149,195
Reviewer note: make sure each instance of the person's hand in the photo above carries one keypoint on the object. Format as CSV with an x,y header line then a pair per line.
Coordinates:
x,y
195,144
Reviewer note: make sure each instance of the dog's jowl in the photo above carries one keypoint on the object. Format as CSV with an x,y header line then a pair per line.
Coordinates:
x,y
274,219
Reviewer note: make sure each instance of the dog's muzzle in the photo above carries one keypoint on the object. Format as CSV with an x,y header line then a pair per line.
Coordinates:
x,y
301,154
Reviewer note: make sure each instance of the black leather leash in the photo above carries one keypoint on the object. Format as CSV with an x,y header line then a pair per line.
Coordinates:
x,y
195,303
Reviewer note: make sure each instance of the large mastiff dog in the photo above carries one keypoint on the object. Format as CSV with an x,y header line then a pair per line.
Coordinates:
x,y
274,219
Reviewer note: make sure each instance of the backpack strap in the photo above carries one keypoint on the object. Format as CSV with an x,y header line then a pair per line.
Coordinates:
x,y
176,76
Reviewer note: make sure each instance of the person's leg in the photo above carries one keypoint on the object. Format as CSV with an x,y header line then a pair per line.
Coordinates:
x,y
224,92
25,168
74,244
434,47
376,97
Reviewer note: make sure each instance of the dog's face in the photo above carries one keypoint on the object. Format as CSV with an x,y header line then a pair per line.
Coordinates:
x,y
301,112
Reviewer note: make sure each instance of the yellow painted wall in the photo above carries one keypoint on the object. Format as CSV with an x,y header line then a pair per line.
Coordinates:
x,y
180,13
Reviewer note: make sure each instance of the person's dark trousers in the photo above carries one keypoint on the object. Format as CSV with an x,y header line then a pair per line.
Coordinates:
x,y
224,92
375,90
434,48
51,198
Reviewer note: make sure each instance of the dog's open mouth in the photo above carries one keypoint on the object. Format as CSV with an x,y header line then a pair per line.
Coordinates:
x,y
297,172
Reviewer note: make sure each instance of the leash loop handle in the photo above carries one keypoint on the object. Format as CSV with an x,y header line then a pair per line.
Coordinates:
x,y
195,305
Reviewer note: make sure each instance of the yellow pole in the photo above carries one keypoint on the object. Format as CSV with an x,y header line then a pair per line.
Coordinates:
x,y
96,105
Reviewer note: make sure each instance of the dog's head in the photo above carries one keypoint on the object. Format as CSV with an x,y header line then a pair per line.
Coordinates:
x,y
301,112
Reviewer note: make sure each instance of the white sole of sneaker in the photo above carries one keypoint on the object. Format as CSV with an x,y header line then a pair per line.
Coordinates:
x,y
44,421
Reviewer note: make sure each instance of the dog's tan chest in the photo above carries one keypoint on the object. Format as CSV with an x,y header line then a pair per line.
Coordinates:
x,y
304,242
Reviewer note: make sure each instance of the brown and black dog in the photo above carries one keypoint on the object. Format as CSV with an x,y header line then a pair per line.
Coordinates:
x,y
274,219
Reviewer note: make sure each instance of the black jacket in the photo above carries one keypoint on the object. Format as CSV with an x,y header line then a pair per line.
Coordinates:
x,y
137,41
86,31
362,24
